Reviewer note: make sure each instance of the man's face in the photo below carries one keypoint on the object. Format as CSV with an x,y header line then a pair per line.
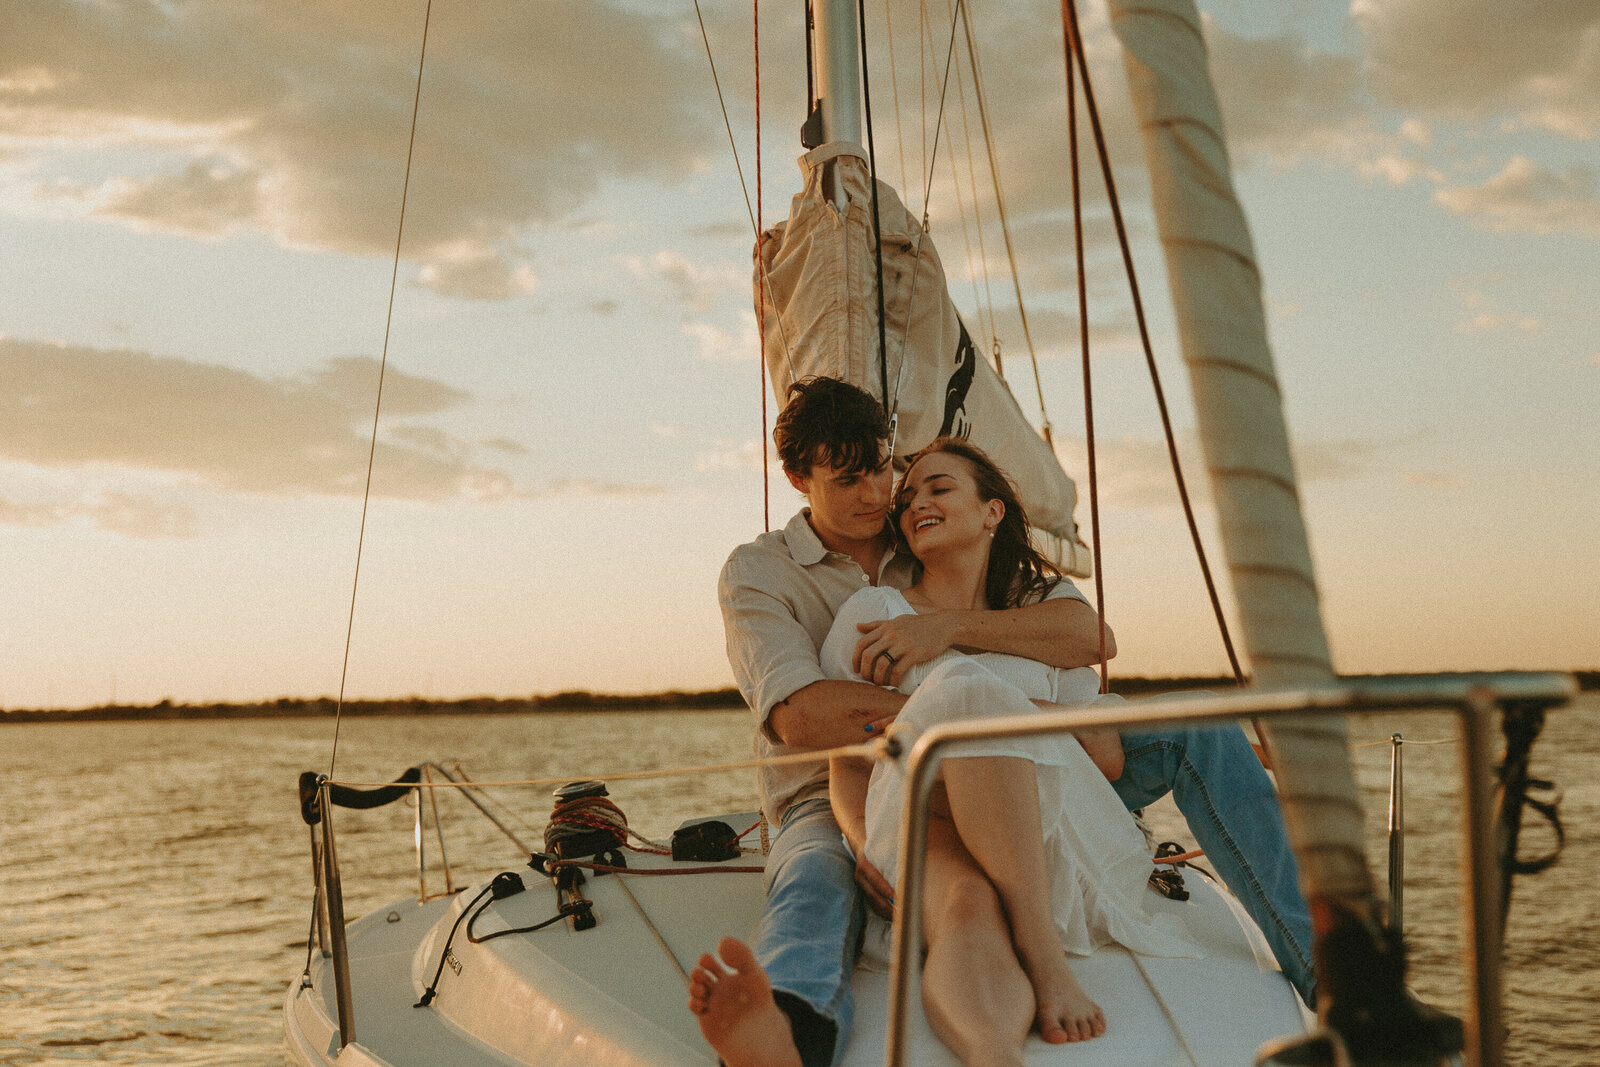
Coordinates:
x,y
848,506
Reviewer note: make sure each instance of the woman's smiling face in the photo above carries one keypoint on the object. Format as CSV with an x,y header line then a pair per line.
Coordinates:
x,y
940,507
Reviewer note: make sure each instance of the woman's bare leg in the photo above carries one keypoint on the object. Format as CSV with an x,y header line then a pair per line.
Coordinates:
x,y
974,991
994,802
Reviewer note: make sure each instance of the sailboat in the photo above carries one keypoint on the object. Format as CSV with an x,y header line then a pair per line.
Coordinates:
x,y
580,961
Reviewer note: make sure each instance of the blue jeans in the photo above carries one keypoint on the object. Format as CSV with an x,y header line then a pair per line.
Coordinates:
x,y
811,931
1232,811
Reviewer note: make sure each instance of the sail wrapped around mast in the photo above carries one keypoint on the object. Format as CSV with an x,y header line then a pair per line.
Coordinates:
x,y
818,311
1216,290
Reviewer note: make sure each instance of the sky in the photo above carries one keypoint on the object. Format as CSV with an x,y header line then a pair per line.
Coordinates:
x,y
199,210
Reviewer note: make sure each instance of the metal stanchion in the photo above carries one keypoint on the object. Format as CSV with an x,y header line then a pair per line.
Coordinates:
x,y
1397,836
334,894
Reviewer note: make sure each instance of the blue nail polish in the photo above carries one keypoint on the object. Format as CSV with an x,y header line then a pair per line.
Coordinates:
x,y
868,728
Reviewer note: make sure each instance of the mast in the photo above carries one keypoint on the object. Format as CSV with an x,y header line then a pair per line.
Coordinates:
x,y
838,59
1216,290
837,109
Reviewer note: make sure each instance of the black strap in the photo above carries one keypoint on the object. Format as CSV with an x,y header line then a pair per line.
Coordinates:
x,y
1522,722
344,796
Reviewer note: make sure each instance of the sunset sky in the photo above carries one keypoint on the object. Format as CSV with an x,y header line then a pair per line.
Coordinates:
x,y
198,213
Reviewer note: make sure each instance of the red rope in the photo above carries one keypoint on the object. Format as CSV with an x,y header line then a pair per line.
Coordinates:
x,y
1088,387
1182,857
761,295
1074,45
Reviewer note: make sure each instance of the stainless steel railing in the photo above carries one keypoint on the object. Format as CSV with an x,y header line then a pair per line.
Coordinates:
x,y
329,901
1475,699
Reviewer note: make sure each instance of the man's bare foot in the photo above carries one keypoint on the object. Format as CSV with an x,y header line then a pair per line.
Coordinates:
x,y
738,1016
1065,1011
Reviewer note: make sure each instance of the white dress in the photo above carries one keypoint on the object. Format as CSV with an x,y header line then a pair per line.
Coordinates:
x,y
1095,854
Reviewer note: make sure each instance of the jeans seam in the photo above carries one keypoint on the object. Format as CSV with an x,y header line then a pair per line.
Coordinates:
x,y
1233,849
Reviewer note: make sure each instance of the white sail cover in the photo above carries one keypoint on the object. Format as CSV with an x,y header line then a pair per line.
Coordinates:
x,y
819,316
1216,290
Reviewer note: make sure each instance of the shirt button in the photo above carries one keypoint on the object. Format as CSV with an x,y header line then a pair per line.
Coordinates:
x,y
863,577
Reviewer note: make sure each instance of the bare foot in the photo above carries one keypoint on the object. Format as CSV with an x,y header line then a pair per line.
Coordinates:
x,y
1065,1011
738,1016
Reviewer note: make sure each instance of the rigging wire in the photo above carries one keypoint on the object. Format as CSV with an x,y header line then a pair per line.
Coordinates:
x,y
977,219
877,226
974,268
894,89
377,408
1073,43
1000,207
1088,389
761,293
922,233
744,187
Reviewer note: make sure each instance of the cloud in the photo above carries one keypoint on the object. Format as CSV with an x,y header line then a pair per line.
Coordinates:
x,y
716,345
1137,472
1486,321
696,287
1435,480
1479,58
115,512
1282,98
729,456
1529,197
474,272
207,199
294,119
594,487
224,428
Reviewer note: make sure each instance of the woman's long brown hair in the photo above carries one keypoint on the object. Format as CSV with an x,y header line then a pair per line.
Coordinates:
x,y
1018,573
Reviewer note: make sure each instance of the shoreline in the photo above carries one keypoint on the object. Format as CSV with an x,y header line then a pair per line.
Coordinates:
x,y
567,701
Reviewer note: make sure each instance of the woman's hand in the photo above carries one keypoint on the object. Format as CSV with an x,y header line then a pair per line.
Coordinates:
x,y
1104,746
880,894
890,647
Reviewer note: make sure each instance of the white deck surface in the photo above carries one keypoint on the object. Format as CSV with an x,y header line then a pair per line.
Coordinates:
x,y
614,995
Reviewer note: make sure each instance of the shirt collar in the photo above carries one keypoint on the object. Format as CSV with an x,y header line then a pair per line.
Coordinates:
x,y
804,544
808,550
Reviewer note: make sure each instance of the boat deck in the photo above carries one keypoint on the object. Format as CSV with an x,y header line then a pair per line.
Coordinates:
x,y
615,994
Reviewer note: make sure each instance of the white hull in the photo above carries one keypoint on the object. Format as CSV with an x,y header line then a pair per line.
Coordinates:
x,y
611,995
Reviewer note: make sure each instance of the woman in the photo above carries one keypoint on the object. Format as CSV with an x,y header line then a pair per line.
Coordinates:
x,y
1031,855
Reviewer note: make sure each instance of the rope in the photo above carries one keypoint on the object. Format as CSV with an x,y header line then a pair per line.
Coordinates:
x,y
596,814
1000,207
927,192
1166,1009
987,300
877,227
1073,44
743,185
644,916
1088,388
867,750
377,407
894,89
1403,741
761,297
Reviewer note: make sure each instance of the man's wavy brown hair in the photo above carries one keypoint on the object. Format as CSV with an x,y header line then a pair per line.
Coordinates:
x,y
830,422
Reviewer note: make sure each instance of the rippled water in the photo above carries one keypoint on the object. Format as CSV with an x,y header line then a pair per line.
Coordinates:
x,y
155,877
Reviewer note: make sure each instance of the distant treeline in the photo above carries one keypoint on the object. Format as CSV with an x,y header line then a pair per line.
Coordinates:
x,y
324,707
570,700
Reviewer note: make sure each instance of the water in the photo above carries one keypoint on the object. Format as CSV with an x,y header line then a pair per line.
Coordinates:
x,y
155,876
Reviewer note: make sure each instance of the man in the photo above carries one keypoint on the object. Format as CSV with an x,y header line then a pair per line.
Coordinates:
x,y
779,595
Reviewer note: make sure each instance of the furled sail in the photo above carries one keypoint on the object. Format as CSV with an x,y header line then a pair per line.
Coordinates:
x,y
1216,289
819,315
